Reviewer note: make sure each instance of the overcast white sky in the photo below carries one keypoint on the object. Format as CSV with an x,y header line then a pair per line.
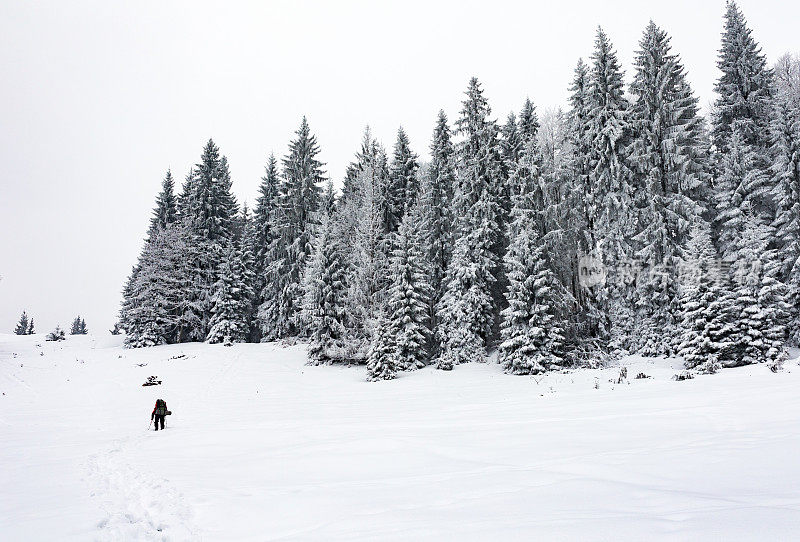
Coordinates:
x,y
98,99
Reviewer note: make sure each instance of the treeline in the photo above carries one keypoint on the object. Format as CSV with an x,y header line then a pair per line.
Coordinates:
x,y
25,326
625,224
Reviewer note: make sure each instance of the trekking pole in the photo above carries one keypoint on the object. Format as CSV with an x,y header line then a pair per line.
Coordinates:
x,y
149,424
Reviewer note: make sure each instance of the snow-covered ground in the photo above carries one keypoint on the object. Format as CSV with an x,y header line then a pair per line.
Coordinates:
x,y
262,447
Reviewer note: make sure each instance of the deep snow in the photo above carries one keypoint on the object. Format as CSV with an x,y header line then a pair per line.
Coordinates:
x,y
262,447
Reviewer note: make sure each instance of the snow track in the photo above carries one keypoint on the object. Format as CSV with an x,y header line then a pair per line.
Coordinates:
x,y
137,505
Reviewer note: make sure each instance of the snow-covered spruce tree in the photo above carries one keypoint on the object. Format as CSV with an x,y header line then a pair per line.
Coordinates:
x,y
532,335
154,297
165,212
745,87
78,326
477,154
403,186
437,194
230,300
206,210
611,186
479,177
298,201
759,296
409,294
22,325
381,360
264,215
739,179
580,207
667,156
247,246
325,290
785,171
709,333
31,329
195,270
466,311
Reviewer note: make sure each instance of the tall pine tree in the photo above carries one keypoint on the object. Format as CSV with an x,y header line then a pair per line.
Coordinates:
x,y
298,202
667,155
409,294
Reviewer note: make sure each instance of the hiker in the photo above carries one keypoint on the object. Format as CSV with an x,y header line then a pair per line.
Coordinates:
x,y
159,412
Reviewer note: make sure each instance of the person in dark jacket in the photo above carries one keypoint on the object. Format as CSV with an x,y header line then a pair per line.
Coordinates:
x,y
159,412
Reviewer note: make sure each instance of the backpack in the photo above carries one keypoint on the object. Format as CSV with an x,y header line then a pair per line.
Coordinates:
x,y
161,407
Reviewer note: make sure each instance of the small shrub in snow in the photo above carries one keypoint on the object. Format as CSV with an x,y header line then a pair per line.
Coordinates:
x,y
709,367
683,375
56,335
641,376
776,365
152,381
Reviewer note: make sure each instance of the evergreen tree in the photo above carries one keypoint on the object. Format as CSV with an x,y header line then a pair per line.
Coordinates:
x,y
409,294
325,296
22,325
248,246
579,214
161,297
708,322
381,358
481,200
195,267
785,172
165,212
745,87
612,189
466,311
436,199
265,230
403,186
759,296
207,211
231,301
298,202
580,147
532,337
78,326
477,154
31,329
666,153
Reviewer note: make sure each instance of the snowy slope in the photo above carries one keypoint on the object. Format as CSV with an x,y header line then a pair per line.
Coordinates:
x,y
262,447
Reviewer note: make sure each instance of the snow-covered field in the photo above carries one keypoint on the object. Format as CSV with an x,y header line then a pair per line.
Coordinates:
x,y
262,447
